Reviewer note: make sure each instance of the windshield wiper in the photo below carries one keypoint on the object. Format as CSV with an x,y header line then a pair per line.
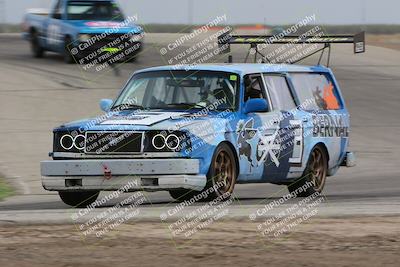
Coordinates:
x,y
127,106
188,105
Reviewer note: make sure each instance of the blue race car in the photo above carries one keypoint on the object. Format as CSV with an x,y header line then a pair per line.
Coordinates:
x,y
208,127
83,31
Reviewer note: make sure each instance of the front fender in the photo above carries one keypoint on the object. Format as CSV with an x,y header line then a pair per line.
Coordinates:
x,y
204,143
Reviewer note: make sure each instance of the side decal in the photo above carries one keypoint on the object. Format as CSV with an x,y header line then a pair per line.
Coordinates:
x,y
245,133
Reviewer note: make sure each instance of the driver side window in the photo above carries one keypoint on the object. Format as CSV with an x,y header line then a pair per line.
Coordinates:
x,y
253,87
57,10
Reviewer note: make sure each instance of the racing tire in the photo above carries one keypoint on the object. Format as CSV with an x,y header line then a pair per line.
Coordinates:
x,y
315,173
79,199
223,170
37,50
68,57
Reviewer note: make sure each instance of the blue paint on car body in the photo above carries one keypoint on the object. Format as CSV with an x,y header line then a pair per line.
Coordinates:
x,y
168,122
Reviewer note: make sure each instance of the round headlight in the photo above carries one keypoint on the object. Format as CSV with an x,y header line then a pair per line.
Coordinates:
x,y
158,141
84,37
67,142
172,141
79,142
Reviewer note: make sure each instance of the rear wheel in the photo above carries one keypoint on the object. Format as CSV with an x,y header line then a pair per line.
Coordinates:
x,y
79,199
314,176
37,50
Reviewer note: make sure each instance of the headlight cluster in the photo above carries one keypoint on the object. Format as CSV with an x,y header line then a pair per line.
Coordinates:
x,y
166,141
154,141
69,142
170,141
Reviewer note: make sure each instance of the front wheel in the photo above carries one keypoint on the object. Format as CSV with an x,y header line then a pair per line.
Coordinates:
x,y
37,50
314,176
68,46
80,199
221,177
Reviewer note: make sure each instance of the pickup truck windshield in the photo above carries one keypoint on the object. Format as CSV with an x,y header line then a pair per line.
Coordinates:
x,y
94,10
180,90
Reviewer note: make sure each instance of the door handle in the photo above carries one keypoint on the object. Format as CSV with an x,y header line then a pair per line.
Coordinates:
x,y
305,120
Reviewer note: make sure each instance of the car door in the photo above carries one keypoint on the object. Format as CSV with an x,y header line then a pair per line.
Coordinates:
x,y
287,136
52,28
257,135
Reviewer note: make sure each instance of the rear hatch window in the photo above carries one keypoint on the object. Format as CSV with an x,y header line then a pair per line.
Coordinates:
x,y
316,91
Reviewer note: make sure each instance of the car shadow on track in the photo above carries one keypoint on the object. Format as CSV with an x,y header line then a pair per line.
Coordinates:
x,y
393,196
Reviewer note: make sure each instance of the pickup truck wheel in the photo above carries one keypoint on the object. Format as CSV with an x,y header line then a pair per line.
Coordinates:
x,y
315,173
223,171
68,57
78,199
37,50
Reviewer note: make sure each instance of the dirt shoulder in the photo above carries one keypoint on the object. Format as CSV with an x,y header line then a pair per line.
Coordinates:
x,y
5,189
391,41
367,241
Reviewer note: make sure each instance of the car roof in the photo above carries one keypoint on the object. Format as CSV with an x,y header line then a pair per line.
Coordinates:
x,y
240,68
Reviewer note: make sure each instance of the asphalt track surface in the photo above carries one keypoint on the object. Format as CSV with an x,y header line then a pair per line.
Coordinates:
x,y
39,94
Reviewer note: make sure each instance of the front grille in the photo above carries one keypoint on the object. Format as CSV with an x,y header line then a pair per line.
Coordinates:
x,y
114,142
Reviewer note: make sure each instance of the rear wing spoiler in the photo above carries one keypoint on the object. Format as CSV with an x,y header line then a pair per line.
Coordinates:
x,y
225,40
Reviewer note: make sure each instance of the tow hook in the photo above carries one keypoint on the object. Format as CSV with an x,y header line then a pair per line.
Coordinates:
x,y
107,172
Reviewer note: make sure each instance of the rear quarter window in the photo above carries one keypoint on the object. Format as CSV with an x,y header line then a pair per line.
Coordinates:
x,y
316,91
279,91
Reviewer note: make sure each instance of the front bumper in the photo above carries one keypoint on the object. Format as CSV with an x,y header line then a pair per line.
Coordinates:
x,y
112,174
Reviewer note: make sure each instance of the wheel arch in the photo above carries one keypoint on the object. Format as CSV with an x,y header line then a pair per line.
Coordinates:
x,y
233,149
68,36
324,148
32,29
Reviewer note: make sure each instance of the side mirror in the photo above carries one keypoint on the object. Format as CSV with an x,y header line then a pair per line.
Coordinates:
x,y
105,104
256,105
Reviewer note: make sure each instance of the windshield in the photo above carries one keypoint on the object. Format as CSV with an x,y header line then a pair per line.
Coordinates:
x,y
180,90
94,10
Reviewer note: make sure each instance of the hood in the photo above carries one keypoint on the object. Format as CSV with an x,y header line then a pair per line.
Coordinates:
x,y
147,120
91,26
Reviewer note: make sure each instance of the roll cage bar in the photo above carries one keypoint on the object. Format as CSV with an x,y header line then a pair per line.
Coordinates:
x,y
225,40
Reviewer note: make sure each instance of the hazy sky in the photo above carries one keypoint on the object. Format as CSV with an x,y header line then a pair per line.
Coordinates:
x,y
238,11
